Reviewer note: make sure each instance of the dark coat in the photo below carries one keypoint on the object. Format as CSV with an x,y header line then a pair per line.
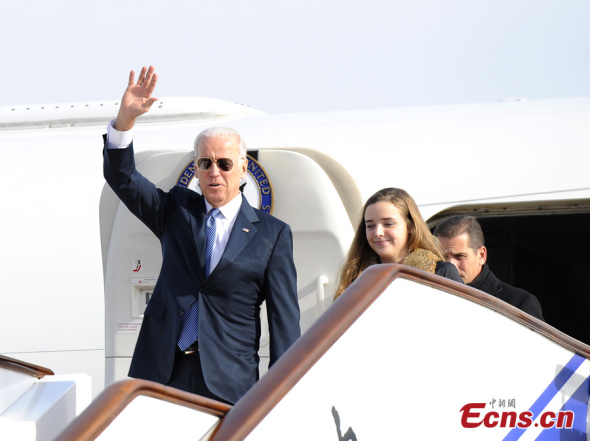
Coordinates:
x,y
257,265
487,282
448,271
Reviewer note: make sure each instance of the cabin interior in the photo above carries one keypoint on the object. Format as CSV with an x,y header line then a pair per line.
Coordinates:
x,y
545,254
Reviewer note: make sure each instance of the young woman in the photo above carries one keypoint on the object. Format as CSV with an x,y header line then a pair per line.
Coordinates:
x,y
392,231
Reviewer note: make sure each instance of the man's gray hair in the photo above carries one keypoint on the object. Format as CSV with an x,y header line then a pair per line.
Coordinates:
x,y
461,224
220,132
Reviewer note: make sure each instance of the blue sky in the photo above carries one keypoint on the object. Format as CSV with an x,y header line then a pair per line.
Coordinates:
x,y
309,55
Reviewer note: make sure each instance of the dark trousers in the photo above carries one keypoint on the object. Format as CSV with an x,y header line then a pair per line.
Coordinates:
x,y
187,375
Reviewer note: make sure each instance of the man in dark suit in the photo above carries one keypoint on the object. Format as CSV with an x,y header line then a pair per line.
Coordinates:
x,y
463,242
221,260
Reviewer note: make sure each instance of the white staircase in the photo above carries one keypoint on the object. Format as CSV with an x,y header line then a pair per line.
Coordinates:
x,y
37,405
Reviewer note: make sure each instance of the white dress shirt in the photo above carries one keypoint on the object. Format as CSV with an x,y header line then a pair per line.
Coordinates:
x,y
224,223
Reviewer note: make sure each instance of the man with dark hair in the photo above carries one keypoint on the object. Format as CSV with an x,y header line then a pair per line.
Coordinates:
x,y
463,243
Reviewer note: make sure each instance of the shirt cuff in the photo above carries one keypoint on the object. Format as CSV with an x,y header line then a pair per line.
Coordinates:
x,y
117,139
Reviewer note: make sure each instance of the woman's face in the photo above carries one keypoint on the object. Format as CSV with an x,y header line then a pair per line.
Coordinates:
x,y
387,232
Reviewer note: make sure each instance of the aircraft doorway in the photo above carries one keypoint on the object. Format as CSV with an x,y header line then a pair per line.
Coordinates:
x,y
545,254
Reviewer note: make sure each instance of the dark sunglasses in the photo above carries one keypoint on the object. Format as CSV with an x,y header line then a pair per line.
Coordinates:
x,y
224,164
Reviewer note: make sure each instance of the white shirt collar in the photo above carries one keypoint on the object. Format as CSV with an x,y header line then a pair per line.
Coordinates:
x,y
229,210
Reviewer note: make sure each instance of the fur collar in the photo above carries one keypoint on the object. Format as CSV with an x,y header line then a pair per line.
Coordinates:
x,y
422,259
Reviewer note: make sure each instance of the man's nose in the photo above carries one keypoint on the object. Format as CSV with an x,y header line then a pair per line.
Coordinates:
x,y
214,170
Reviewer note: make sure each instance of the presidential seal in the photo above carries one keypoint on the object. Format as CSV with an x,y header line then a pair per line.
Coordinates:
x,y
258,189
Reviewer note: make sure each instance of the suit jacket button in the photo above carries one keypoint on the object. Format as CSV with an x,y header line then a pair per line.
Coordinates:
x,y
180,314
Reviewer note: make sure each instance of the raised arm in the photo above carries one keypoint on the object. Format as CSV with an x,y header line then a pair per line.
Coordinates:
x,y
137,98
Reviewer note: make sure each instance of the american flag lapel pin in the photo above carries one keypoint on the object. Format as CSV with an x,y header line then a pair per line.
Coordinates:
x,y
246,230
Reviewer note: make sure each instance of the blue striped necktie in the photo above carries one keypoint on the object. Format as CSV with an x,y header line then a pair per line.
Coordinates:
x,y
189,329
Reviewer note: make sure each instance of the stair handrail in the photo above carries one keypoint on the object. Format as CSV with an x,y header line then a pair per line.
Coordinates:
x,y
33,370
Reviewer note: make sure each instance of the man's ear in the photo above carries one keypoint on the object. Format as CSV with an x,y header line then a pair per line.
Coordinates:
x,y
482,255
244,168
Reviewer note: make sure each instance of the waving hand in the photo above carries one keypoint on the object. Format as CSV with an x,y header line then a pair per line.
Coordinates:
x,y
137,98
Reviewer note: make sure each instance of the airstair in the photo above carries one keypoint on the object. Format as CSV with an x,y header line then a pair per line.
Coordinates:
x,y
401,355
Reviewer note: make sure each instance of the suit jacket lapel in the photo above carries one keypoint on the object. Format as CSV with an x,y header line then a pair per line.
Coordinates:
x,y
241,234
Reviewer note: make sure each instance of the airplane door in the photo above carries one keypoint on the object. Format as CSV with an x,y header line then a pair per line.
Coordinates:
x,y
290,185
